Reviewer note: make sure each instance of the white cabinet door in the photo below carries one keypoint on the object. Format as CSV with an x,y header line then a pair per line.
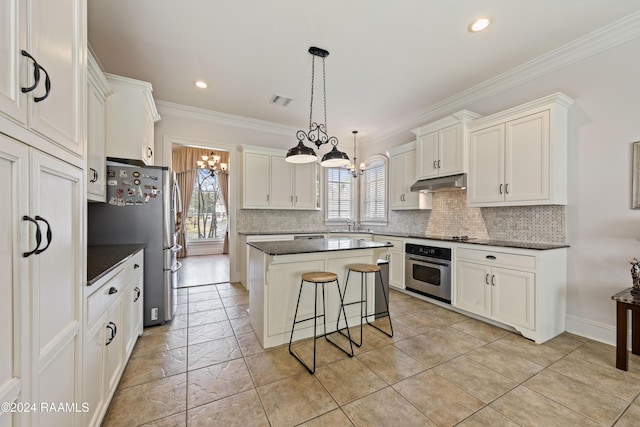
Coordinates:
x,y
256,180
132,315
513,297
450,147
427,155
527,148
397,177
473,287
96,170
305,182
13,68
486,169
411,198
114,341
94,388
14,303
281,183
56,198
396,267
148,154
59,45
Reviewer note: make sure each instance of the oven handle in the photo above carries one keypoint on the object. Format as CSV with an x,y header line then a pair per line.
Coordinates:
x,y
429,262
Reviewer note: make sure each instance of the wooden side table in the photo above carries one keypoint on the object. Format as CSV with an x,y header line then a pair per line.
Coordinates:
x,y
625,300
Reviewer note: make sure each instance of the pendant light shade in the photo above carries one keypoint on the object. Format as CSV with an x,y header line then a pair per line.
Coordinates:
x,y
334,159
301,154
317,133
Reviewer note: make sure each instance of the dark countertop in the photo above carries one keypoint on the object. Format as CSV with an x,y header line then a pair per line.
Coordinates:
x,y
485,242
292,247
102,259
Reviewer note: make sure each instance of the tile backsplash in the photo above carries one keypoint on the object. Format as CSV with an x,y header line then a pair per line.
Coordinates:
x,y
449,216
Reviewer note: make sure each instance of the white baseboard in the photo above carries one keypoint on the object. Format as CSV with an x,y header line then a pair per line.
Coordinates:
x,y
595,330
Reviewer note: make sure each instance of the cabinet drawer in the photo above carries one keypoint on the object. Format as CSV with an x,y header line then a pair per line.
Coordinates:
x,y
134,267
498,258
107,294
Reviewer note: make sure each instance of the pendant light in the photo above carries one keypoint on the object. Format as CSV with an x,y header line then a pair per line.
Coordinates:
x,y
352,166
317,133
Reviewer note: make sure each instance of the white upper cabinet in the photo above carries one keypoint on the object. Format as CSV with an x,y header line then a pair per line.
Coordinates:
x,y
131,113
43,72
270,182
98,90
402,175
519,156
441,147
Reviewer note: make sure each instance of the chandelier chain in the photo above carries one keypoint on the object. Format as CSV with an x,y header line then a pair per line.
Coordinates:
x,y
324,90
313,73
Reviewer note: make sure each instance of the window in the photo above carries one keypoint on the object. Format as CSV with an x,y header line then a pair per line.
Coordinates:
x,y
374,192
207,216
340,195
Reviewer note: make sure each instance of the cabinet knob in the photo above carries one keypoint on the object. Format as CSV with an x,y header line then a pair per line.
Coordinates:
x,y
113,290
135,266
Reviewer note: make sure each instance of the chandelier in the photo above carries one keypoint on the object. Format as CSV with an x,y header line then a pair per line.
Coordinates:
x,y
211,162
318,133
352,166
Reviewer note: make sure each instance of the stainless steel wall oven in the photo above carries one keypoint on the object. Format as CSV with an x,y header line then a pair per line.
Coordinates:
x,y
428,271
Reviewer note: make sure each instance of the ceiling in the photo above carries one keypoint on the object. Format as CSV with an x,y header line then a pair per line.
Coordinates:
x,y
387,60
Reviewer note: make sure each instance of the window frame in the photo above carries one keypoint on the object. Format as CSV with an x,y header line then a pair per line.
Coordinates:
x,y
203,240
353,197
373,161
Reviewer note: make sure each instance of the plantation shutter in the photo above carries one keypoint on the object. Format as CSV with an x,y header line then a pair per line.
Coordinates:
x,y
339,194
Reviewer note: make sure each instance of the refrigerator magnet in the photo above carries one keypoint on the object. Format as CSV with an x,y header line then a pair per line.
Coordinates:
x,y
111,173
123,173
136,181
131,191
120,193
138,202
136,174
112,182
113,201
127,182
146,198
155,178
139,191
120,202
130,202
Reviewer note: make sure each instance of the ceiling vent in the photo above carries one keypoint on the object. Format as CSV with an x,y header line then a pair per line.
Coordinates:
x,y
280,100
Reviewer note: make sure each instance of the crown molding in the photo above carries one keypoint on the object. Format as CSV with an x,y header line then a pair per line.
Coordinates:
x,y
179,111
597,41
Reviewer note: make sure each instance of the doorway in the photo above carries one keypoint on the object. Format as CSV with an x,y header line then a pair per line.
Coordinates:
x,y
202,176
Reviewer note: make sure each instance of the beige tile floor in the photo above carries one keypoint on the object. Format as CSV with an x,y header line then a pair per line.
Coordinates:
x,y
203,270
441,368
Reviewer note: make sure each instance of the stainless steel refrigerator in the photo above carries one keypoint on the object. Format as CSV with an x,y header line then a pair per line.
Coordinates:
x,y
140,208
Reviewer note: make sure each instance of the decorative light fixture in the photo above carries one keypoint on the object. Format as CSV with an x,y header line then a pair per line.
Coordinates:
x,y
201,84
352,166
211,162
317,133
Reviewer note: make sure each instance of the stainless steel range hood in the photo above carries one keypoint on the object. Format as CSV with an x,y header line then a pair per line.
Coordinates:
x,y
451,182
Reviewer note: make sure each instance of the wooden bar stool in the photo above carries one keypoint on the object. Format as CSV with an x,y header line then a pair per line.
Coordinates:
x,y
319,278
363,269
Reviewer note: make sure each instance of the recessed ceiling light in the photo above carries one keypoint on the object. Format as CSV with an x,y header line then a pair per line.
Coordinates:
x,y
201,84
479,24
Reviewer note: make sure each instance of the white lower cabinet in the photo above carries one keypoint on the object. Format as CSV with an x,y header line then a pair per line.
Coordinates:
x,y
524,289
113,316
395,256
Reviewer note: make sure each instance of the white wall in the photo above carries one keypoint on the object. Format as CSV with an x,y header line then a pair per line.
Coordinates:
x,y
602,229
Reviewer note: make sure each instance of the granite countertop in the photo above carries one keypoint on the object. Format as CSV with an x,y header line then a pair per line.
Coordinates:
x,y
627,296
485,242
292,247
102,259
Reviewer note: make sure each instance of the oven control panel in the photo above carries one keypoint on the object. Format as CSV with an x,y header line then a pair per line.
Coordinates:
x,y
428,251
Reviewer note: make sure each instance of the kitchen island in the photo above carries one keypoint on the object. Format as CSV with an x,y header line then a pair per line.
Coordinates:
x,y
275,270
